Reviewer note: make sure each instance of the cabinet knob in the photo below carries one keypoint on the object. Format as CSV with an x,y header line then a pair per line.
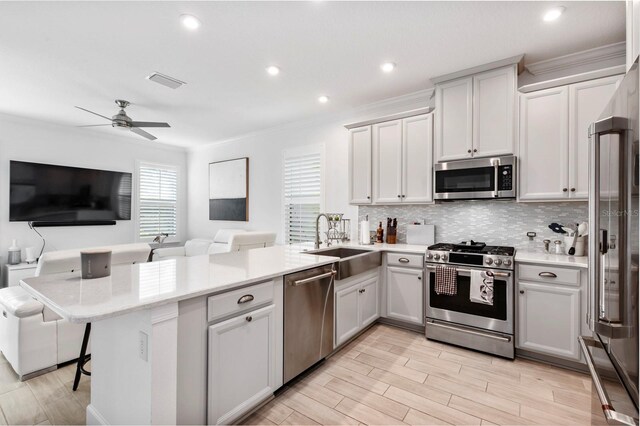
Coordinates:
x,y
521,291
249,318
469,151
564,189
368,197
399,196
475,150
419,277
573,190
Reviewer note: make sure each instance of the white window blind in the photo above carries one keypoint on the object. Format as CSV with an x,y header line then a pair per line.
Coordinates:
x,y
158,200
302,195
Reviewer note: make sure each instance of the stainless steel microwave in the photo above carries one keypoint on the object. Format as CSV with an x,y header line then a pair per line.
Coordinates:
x,y
478,178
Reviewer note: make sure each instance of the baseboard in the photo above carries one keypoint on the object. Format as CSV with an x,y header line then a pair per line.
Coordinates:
x,y
551,360
94,417
400,324
38,373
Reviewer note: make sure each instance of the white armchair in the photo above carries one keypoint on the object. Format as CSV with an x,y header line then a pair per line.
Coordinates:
x,y
33,338
251,240
198,246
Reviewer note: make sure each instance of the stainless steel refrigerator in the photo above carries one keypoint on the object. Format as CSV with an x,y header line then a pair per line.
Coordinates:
x,y
611,352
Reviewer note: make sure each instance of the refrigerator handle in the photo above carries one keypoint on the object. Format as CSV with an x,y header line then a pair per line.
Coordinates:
x,y
598,244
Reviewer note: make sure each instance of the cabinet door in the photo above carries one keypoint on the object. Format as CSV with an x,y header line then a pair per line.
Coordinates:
x,y
417,159
549,319
453,119
587,101
387,162
494,94
242,361
347,318
360,165
544,141
369,302
405,294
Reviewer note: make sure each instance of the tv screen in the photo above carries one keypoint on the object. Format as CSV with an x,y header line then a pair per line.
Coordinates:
x,y
46,192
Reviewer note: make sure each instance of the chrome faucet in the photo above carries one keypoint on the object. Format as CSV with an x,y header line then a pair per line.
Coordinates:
x,y
317,241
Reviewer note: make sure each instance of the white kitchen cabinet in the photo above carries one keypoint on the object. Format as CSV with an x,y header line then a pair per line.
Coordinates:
x,y
554,141
387,167
14,273
475,115
494,97
454,120
356,306
403,160
544,144
405,294
242,364
360,165
549,319
586,102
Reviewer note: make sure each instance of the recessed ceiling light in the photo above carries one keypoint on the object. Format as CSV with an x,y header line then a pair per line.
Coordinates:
x,y
190,21
323,99
553,14
388,66
273,70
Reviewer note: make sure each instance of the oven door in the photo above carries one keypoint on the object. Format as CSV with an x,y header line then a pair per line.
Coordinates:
x,y
459,309
477,178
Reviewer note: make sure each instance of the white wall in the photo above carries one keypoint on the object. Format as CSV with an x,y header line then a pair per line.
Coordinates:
x,y
36,141
265,152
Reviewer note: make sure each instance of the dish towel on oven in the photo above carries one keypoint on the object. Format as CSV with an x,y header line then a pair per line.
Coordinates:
x,y
481,287
446,280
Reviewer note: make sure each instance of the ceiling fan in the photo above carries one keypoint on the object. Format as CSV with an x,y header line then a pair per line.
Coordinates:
x,y
122,121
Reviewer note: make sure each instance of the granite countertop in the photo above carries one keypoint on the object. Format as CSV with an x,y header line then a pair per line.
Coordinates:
x,y
146,285
523,256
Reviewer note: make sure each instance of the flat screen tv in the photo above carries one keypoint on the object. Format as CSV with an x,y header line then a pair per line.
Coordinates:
x,y
67,195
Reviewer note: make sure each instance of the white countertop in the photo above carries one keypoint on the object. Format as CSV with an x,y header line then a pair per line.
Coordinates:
x,y
145,285
384,247
524,256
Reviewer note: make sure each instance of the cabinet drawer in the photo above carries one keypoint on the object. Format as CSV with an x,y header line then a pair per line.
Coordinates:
x,y
549,274
405,260
236,301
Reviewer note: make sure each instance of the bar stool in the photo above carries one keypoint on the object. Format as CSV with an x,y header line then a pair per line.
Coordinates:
x,y
83,358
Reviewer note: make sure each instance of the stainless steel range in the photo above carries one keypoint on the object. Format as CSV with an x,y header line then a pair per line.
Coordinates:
x,y
458,320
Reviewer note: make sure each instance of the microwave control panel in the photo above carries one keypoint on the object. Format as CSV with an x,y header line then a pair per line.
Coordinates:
x,y
505,178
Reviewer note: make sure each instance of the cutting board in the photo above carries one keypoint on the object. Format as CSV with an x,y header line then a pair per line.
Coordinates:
x,y
421,234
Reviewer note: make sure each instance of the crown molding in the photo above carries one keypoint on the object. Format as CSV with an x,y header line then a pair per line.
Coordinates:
x,y
517,60
575,78
586,57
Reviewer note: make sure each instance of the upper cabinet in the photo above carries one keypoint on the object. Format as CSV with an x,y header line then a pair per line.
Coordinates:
x,y
554,140
360,165
633,31
474,115
392,161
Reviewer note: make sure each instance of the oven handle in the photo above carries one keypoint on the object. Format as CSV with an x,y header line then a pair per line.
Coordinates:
x,y
465,330
468,271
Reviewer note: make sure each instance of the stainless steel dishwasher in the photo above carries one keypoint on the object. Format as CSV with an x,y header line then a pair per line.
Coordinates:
x,y
308,318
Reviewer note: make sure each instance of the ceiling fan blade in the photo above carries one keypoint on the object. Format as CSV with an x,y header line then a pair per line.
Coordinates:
x,y
94,113
148,124
95,125
143,133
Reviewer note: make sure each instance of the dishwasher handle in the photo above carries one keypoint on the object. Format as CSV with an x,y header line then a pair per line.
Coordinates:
x,y
314,278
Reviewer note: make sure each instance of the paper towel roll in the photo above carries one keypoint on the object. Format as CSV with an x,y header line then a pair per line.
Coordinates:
x,y
365,238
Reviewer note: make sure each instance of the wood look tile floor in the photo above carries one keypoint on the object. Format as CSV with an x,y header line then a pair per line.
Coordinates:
x,y
387,376
390,376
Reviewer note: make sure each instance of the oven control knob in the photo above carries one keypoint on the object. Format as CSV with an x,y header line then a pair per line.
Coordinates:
x,y
444,257
436,256
507,262
488,261
429,255
498,262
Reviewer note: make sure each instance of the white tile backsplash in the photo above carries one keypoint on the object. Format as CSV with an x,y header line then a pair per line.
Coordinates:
x,y
495,222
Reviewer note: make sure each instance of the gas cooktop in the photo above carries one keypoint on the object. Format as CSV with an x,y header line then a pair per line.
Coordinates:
x,y
474,247
471,253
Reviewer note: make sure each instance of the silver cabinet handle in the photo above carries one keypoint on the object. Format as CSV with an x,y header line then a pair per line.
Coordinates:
x,y
362,290
246,298
249,318
314,278
547,275
419,277
610,414
403,260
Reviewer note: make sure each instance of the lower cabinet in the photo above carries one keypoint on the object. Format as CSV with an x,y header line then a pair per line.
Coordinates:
x,y
242,364
405,294
549,316
357,306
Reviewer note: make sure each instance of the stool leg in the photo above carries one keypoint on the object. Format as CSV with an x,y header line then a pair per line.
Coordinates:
x,y
81,359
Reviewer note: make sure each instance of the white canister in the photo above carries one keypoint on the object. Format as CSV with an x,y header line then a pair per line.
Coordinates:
x,y
580,245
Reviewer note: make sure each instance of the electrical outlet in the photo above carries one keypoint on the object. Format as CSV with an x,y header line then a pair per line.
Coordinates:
x,y
143,346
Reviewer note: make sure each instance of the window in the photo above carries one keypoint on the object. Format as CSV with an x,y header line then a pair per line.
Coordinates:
x,y
302,193
157,200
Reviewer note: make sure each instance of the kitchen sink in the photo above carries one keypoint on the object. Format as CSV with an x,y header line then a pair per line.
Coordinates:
x,y
353,261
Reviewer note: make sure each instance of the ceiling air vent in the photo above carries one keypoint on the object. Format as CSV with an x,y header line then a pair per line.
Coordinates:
x,y
165,80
